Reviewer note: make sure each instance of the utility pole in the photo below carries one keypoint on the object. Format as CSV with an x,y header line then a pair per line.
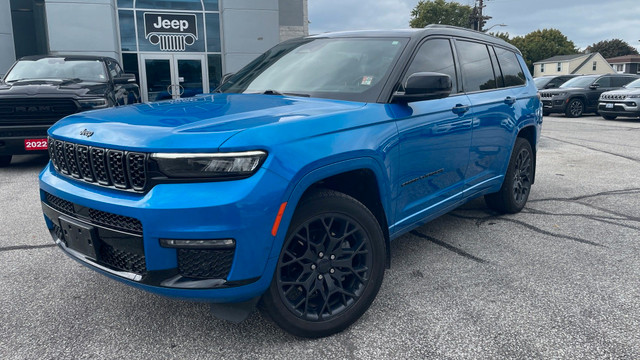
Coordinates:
x,y
477,19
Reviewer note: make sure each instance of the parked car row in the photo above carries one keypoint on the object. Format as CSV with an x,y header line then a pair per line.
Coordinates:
x,y
609,95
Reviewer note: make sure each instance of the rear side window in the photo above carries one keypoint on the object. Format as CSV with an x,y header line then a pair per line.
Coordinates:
x,y
434,55
477,71
511,70
621,81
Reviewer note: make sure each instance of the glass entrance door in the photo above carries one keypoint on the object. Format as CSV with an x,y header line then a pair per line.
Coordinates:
x,y
172,76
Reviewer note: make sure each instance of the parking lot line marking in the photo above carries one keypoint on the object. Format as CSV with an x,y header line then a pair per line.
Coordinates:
x,y
448,246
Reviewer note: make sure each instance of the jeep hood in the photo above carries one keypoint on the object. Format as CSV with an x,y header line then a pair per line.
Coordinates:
x,y
624,91
195,124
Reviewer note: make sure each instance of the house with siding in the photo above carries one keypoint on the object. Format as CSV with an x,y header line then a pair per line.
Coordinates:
x,y
577,64
628,64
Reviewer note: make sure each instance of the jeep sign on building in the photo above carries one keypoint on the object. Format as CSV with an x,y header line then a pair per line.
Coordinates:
x,y
177,48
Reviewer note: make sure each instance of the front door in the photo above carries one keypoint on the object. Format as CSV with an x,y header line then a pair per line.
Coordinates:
x,y
172,76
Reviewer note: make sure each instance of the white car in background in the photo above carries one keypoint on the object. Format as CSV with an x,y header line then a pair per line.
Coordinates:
x,y
622,102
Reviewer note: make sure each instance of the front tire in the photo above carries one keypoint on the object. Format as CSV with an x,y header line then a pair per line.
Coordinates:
x,y
609,117
575,108
330,268
516,187
5,160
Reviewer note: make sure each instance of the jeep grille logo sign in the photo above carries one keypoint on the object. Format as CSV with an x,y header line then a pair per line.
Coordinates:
x,y
172,32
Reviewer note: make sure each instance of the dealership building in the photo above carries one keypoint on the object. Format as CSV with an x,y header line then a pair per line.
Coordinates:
x,y
175,46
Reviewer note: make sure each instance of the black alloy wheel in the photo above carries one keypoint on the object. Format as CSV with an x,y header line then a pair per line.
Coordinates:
x,y
575,108
516,187
522,176
330,268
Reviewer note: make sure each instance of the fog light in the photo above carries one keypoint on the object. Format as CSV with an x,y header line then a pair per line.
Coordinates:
x,y
198,244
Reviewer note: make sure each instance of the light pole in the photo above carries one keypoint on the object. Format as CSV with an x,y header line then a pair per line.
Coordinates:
x,y
492,26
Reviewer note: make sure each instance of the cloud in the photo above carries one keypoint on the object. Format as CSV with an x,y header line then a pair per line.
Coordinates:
x,y
339,15
583,22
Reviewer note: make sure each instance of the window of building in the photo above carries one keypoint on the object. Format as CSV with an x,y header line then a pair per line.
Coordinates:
x,y
434,56
559,67
477,71
541,68
595,65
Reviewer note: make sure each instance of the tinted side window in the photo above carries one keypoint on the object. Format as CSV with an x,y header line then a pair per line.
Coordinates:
x,y
114,69
477,72
434,56
557,82
604,81
511,70
621,81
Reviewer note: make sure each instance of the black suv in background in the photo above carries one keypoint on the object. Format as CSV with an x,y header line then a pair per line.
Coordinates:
x,y
39,90
551,82
580,94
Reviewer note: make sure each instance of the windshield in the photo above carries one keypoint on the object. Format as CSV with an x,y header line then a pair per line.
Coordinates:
x,y
635,84
336,68
541,82
579,82
57,69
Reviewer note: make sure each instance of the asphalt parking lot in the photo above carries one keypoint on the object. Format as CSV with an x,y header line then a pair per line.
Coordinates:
x,y
559,280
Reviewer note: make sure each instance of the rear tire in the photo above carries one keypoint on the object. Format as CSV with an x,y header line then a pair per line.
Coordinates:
x,y
330,268
5,160
516,187
575,108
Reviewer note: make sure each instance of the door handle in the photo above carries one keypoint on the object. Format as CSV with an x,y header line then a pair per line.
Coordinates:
x,y
510,100
460,109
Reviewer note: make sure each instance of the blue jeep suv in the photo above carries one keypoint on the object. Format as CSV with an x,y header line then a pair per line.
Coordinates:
x,y
285,186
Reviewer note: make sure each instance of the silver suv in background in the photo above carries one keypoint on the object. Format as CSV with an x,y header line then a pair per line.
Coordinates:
x,y
621,102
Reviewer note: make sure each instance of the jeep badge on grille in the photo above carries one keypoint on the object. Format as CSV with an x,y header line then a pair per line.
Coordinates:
x,y
86,133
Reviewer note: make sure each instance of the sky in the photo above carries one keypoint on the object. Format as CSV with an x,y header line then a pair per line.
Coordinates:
x,y
582,21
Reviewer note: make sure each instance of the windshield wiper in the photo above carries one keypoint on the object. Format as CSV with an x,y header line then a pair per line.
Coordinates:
x,y
70,81
275,92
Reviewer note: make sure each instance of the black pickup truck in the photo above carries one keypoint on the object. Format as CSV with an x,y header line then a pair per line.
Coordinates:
x,y
39,90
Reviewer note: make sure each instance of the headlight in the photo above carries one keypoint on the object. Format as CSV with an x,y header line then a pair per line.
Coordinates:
x,y
637,96
560,94
214,165
96,103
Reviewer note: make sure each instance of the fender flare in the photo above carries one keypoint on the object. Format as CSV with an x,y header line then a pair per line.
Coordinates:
x,y
297,189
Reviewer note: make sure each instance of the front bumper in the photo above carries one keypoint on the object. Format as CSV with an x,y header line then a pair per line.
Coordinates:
x,y
630,108
12,138
127,229
554,105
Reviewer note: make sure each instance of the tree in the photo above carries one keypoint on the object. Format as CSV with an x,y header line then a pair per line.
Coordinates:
x,y
612,48
541,44
440,12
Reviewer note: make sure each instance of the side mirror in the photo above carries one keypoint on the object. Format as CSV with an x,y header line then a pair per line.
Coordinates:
x,y
125,79
424,86
594,86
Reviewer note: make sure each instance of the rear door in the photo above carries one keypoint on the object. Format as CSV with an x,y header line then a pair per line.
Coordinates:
x,y
604,83
497,92
434,141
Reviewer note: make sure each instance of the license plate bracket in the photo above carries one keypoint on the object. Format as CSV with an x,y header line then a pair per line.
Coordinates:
x,y
79,236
